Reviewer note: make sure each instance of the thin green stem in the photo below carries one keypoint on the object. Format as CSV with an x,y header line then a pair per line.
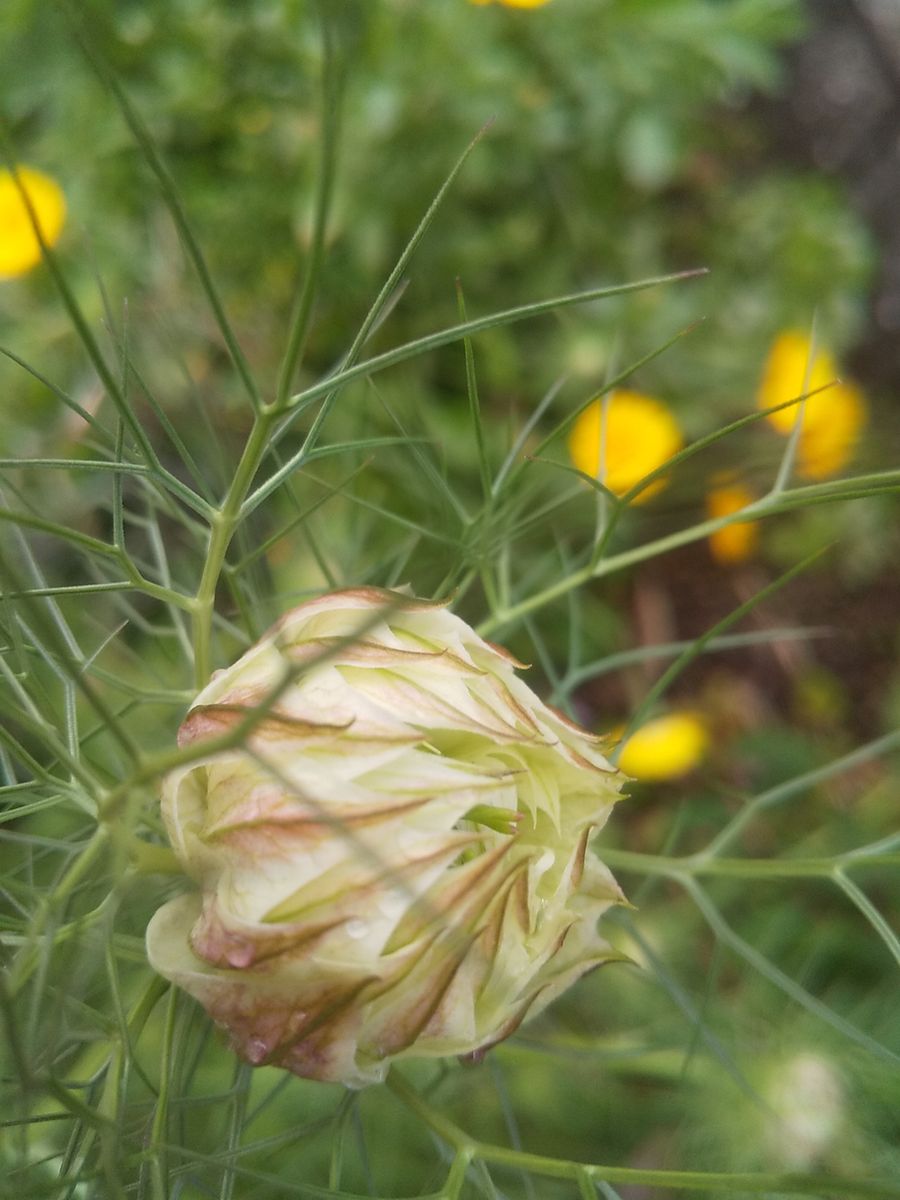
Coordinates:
x,y
162,476
683,537
331,102
455,333
697,647
784,791
857,897
151,768
790,450
475,405
159,1173
341,1123
85,863
789,986
456,1177
222,529
701,1181
576,676
741,868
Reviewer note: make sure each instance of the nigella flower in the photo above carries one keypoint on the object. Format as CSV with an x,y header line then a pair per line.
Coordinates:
x,y
396,861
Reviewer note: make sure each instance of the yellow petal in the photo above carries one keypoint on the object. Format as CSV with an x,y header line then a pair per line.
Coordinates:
x,y
20,249
665,748
737,542
638,435
514,3
832,419
827,444
792,369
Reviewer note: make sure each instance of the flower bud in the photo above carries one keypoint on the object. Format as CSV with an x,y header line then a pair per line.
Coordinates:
x,y
805,1097
393,859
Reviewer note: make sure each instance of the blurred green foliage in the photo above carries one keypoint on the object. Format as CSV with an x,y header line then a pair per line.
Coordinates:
x,y
624,144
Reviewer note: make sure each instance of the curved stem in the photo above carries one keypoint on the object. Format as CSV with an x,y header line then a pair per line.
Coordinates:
x,y
82,865
700,1181
741,868
222,529
627,558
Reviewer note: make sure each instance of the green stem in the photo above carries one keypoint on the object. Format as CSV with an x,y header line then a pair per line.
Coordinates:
x,y
159,1173
223,524
696,648
638,554
331,97
800,783
741,868
150,858
442,1126
702,1181
456,1177
72,878
455,333
150,769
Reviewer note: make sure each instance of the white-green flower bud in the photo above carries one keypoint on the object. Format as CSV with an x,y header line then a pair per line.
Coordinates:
x,y
394,860
805,1098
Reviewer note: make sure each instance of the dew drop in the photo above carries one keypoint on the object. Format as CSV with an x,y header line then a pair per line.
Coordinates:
x,y
257,1049
392,904
241,955
357,929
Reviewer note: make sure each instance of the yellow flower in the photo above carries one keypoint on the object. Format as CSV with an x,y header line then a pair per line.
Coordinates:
x,y
639,434
737,542
832,419
665,748
513,3
827,444
19,248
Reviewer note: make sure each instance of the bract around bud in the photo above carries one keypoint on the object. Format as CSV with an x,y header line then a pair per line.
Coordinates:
x,y
393,859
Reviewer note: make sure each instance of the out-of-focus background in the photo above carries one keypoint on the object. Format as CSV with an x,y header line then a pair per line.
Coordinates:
x,y
629,139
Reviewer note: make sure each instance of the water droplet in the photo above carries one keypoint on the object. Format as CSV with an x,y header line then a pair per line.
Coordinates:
x,y
357,929
241,955
257,1049
392,904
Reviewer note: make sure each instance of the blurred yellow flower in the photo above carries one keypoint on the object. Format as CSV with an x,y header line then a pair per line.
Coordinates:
x,y
639,434
737,542
832,419
665,748
513,3
19,248
828,443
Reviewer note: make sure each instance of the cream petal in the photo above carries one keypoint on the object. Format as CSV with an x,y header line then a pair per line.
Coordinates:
x,y
363,894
